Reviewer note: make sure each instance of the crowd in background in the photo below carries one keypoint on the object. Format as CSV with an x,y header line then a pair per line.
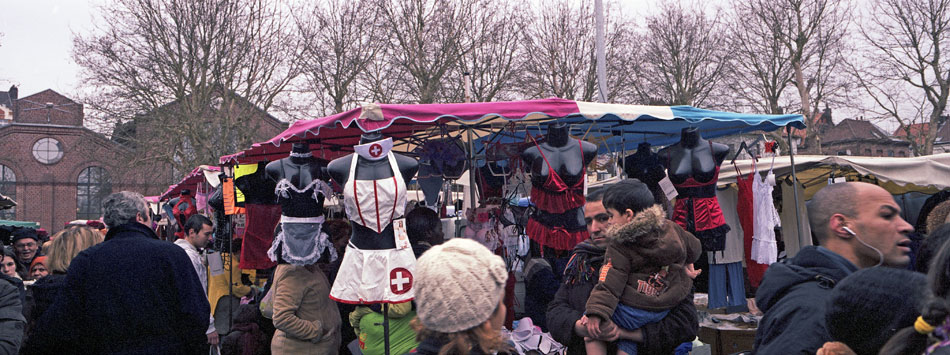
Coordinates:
x,y
114,287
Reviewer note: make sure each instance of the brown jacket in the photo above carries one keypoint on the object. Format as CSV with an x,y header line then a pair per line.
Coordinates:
x,y
307,321
636,251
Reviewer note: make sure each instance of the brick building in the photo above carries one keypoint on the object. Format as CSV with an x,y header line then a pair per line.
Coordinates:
x,y
852,137
58,171
52,166
917,131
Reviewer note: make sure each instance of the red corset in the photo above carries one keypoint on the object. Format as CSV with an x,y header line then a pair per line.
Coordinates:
x,y
556,196
697,210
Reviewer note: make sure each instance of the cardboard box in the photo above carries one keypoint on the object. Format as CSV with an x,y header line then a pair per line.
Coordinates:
x,y
727,341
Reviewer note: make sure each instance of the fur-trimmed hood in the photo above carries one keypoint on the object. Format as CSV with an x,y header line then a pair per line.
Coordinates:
x,y
644,230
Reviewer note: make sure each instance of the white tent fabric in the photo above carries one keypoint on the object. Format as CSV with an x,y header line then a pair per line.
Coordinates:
x,y
898,175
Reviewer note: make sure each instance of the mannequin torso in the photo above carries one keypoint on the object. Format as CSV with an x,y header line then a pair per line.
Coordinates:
x,y
298,176
561,153
558,175
693,157
368,170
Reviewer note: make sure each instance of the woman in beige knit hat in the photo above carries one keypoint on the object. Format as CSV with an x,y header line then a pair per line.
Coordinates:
x,y
460,288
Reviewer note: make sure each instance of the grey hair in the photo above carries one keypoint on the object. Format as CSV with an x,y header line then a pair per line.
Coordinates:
x,y
122,207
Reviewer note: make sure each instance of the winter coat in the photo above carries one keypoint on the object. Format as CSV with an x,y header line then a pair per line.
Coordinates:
x,y
12,322
793,297
307,321
638,250
679,326
131,294
42,294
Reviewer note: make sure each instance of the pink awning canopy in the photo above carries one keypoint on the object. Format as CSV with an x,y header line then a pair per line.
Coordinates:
x,y
334,136
190,182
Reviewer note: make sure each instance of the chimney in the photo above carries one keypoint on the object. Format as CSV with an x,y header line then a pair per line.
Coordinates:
x,y
13,92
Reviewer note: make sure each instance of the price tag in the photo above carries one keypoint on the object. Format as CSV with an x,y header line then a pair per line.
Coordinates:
x,y
668,189
399,232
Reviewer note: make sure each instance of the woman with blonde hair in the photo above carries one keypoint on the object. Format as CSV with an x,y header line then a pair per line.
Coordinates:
x,y
459,291
66,244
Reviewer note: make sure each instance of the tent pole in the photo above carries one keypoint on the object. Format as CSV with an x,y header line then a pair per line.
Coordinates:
x,y
471,168
791,157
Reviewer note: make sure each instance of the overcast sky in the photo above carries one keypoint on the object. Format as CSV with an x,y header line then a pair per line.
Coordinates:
x,y
36,41
36,44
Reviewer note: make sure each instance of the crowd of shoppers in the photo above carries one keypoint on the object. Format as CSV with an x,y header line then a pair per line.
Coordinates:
x,y
625,290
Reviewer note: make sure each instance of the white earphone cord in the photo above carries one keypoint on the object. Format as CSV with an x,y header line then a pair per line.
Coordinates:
x,y
880,255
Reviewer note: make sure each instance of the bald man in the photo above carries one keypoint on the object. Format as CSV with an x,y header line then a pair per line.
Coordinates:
x,y
857,225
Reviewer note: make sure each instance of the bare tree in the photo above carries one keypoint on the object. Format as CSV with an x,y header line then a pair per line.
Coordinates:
x,y
761,69
813,34
560,58
182,79
494,58
685,56
342,39
429,40
907,73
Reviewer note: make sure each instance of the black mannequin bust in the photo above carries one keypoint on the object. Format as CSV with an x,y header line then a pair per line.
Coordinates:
x,y
568,159
644,165
693,157
301,170
339,170
561,153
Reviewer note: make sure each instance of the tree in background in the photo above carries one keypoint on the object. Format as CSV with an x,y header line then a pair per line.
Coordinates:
x,y
342,38
685,56
559,58
803,43
180,79
907,73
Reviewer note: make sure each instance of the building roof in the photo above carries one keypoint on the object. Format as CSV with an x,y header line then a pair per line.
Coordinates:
x,y
918,130
850,129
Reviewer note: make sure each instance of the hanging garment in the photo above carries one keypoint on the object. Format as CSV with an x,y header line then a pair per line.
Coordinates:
x,y
726,287
555,196
733,253
305,202
258,236
375,275
796,233
201,200
374,204
764,247
745,208
430,181
301,241
184,209
559,231
489,185
697,211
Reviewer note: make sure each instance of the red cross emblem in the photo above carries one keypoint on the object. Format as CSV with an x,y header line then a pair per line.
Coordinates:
x,y
400,280
375,150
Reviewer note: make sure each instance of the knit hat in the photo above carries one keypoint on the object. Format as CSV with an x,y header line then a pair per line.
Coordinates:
x,y
458,285
24,233
868,307
38,260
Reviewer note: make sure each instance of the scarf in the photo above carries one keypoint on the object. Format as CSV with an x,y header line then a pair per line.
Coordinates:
x,y
585,259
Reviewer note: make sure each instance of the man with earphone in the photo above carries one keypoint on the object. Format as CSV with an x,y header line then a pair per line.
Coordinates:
x,y
857,225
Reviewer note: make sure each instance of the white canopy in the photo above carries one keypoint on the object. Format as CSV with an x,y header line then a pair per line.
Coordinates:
x,y
927,174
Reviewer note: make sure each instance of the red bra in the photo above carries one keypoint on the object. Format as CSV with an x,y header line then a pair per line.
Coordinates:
x,y
556,196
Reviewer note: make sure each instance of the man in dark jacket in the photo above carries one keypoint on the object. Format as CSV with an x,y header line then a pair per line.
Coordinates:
x,y
131,294
858,225
566,312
